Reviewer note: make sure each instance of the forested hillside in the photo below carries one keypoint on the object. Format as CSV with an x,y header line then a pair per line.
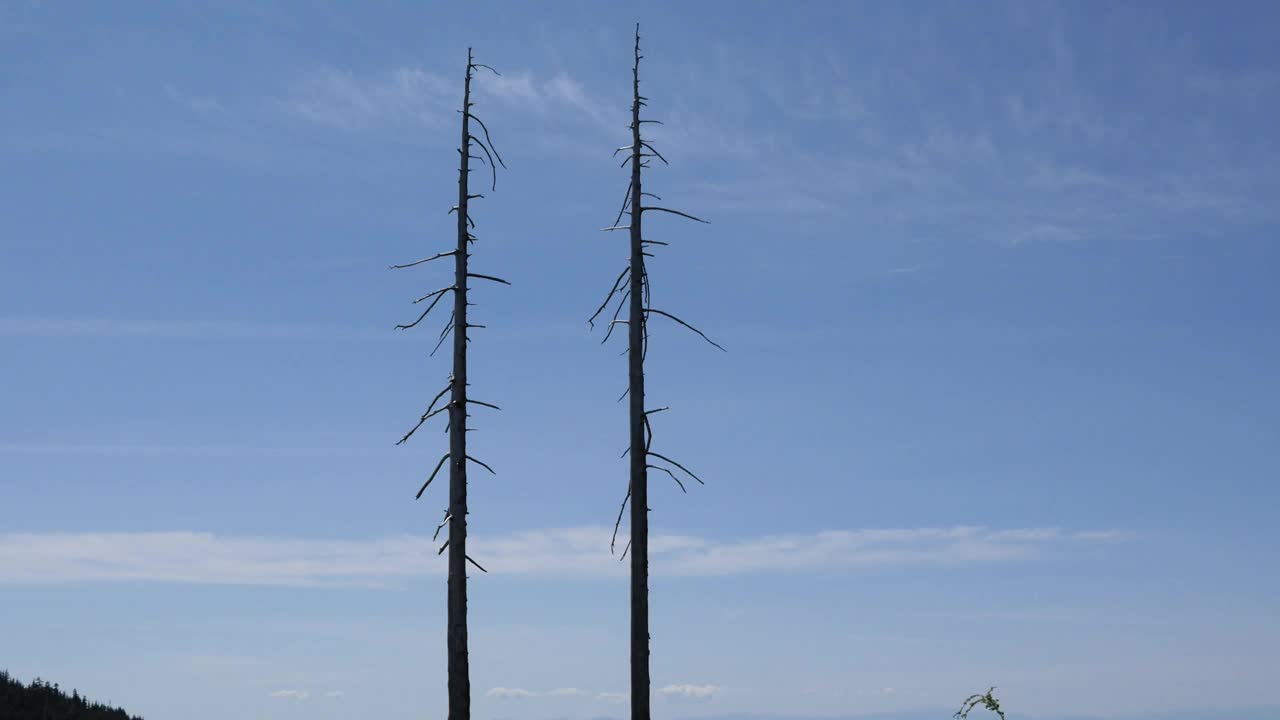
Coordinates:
x,y
42,701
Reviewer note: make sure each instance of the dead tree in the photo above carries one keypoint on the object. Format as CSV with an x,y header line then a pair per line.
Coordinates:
x,y
455,517
633,292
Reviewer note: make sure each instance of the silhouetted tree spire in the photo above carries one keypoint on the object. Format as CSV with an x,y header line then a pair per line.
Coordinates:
x,y
459,326
632,290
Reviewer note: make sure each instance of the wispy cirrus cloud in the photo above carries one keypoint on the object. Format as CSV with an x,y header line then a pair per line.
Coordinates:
x,y
398,98
179,330
581,552
404,98
207,105
925,147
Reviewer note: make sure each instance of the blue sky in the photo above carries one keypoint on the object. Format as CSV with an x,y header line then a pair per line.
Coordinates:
x,y
1000,404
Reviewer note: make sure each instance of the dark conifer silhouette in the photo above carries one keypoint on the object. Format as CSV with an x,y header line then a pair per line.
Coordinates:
x,y
633,290
455,517
42,701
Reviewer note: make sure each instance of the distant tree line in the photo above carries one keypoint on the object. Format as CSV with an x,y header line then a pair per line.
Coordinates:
x,y
42,701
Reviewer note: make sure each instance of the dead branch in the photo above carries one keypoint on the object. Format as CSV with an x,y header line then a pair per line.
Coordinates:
x,y
426,415
454,209
673,462
488,277
674,212
618,523
614,321
440,527
438,294
614,289
673,317
626,202
492,165
485,128
443,334
433,476
491,472
645,143
673,476
437,256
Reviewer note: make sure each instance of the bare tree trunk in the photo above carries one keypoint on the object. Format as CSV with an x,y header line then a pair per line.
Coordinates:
x,y
639,455
459,665
459,674
632,285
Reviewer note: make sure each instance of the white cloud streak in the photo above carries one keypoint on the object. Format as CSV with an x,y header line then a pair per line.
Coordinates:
x,y
521,693
567,692
582,552
506,692
691,692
